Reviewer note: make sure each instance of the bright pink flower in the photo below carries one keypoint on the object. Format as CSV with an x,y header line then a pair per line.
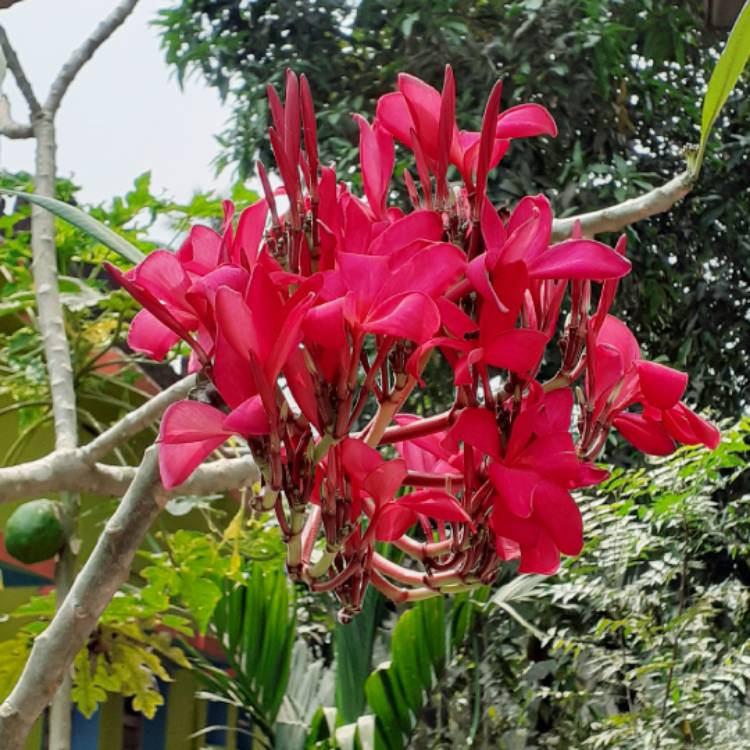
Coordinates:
x,y
190,431
617,378
382,479
413,114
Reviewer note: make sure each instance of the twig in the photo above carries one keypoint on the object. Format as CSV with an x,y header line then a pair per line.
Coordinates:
x,y
8,126
14,65
615,218
85,52
136,421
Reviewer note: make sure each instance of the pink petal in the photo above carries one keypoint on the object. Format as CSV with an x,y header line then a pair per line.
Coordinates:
x,y
189,432
409,316
189,421
250,229
249,418
150,336
684,425
324,324
661,386
231,372
478,427
162,274
395,518
446,263
519,350
234,320
493,231
178,462
384,480
301,385
579,259
423,102
515,487
615,333
553,456
357,225
393,522
529,229
606,368
288,338
558,405
455,320
359,459
524,121
199,254
418,225
377,156
364,275
436,504
267,315
645,434
560,516
393,114
542,557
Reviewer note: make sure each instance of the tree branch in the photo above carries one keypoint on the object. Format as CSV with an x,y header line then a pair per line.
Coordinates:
x,y
8,126
615,218
137,420
14,65
67,471
85,52
105,570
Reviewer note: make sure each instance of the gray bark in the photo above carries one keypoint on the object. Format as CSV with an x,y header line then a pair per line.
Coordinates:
x,y
104,572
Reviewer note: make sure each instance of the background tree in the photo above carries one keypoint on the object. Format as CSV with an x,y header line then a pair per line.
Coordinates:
x,y
621,79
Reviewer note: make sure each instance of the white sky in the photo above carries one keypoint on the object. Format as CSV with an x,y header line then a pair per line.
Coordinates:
x,y
124,114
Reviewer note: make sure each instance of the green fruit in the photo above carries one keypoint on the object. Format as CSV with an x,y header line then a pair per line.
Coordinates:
x,y
34,532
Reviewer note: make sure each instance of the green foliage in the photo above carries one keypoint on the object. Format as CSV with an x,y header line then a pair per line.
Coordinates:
x,y
353,645
640,642
96,313
255,626
397,693
125,654
179,589
86,223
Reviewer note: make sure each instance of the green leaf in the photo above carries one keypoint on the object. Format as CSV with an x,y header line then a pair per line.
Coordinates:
x,y
84,222
85,692
200,596
728,69
353,644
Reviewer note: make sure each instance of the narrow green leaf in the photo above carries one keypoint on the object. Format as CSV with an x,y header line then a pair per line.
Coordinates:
x,y
84,222
353,644
728,69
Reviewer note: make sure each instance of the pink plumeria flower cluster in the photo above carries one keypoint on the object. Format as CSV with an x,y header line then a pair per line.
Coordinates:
x,y
306,321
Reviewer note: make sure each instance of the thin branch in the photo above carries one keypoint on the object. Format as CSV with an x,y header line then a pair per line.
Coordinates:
x,y
8,126
14,65
67,471
104,572
136,421
616,218
85,52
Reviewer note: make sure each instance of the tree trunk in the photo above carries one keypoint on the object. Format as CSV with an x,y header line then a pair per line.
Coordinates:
x,y
60,375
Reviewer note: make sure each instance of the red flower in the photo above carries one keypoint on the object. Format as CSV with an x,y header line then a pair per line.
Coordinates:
x,y
617,378
413,117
